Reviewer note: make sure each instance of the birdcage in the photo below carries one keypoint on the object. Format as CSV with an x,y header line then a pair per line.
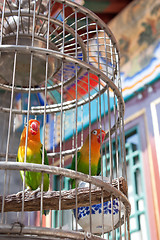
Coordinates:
x,y
59,64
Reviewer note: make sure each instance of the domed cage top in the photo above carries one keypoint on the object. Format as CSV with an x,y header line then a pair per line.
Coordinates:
x,y
59,64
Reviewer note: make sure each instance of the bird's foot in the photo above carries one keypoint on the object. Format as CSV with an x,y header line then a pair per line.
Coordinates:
x,y
25,191
35,191
21,225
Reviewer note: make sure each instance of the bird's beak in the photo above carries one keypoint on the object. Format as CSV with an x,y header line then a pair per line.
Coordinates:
x,y
103,136
34,128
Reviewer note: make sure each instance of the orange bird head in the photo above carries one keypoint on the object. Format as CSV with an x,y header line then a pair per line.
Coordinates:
x,y
96,136
33,131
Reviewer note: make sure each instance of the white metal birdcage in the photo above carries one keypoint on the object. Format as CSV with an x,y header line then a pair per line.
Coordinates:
x,y
59,64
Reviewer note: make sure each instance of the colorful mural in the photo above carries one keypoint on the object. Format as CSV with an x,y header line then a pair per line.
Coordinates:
x,y
137,30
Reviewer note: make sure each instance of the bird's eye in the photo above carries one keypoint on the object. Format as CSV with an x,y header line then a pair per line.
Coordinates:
x,y
95,132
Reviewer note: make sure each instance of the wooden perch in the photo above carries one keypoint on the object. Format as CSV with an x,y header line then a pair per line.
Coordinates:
x,y
32,199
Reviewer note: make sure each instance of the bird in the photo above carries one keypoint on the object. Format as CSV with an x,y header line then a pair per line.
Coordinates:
x,y
83,155
34,155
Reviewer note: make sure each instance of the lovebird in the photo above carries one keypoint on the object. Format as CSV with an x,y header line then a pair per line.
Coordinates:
x,y
34,155
83,155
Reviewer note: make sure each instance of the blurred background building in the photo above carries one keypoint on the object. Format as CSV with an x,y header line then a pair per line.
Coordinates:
x,y
137,30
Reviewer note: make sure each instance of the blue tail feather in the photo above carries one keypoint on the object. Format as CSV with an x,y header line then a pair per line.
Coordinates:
x,y
45,212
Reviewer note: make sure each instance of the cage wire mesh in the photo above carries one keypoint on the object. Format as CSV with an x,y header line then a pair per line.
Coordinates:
x,y
59,64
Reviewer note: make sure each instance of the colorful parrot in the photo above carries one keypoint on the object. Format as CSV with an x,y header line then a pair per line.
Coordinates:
x,y
34,155
83,155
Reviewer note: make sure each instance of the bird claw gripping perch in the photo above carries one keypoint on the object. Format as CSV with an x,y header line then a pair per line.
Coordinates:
x,y
27,190
35,192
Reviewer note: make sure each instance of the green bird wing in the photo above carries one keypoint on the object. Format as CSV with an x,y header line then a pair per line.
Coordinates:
x,y
99,167
46,176
46,162
74,159
73,167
